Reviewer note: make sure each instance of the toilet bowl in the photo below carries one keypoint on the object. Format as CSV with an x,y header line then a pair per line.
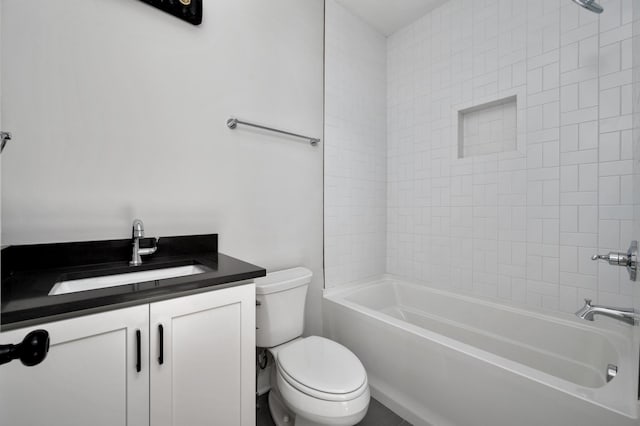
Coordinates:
x,y
318,382
315,381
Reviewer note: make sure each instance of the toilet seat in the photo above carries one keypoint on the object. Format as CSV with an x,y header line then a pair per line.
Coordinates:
x,y
314,393
322,369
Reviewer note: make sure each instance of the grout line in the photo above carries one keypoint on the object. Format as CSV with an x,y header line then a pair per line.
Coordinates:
x,y
597,280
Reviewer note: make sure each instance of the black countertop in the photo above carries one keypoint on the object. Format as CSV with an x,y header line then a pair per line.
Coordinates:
x,y
29,272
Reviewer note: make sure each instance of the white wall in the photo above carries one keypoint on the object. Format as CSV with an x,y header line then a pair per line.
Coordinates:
x,y
520,226
355,148
118,111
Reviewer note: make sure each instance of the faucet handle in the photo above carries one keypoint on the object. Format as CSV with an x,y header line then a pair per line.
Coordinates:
x,y
627,260
614,258
587,302
137,229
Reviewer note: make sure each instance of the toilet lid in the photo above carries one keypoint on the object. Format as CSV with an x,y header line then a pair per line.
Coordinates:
x,y
322,365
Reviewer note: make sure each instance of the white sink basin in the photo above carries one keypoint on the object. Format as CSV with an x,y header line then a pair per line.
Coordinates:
x,y
93,283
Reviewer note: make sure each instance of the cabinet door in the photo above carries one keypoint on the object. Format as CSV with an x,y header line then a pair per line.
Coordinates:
x,y
89,376
207,374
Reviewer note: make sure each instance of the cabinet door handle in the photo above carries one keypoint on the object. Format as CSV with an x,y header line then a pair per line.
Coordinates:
x,y
161,335
138,350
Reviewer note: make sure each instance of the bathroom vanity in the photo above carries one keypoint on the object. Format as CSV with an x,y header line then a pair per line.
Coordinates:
x,y
173,351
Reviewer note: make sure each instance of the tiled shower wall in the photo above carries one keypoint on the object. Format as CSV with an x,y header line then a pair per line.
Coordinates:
x,y
636,137
521,225
355,148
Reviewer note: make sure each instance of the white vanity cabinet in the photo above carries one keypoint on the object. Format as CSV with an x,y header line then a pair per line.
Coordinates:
x,y
207,374
91,377
88,378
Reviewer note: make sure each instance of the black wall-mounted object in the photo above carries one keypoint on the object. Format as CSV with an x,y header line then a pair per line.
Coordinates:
x,y
188,10
32,351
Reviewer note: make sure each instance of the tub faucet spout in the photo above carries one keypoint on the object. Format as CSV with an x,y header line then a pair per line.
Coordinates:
x,y
589,311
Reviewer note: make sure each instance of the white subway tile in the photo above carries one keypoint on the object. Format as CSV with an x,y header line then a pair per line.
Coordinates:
x,y
569,99
588,93
569,219
610,59
588,135
588,177
534,81
569,57
617,34
568,299
587,219
609,146
569,136
579,157
569,178
609,234
610,102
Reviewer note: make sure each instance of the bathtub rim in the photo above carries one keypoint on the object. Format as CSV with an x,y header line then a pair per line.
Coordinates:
x,y
605,396
603,325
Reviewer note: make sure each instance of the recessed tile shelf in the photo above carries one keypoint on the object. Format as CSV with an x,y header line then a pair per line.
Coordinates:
x,y
488,128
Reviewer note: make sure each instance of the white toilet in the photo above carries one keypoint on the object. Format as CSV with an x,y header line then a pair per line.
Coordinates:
x,y
315,381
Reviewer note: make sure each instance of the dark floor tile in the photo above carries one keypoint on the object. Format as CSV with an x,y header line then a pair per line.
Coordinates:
x,y
263,416
377,415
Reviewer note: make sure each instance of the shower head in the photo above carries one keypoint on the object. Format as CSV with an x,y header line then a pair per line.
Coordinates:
x,y
590,5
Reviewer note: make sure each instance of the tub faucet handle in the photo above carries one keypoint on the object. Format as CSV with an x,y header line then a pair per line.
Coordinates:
x,y
627,260
614,258
600,257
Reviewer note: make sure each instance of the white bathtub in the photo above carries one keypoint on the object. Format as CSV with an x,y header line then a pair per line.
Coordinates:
x,y
439,358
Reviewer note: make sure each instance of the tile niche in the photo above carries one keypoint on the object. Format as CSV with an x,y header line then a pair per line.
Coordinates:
x,y
488,128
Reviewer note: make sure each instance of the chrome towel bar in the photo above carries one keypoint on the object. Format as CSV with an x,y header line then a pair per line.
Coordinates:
x,y
233,122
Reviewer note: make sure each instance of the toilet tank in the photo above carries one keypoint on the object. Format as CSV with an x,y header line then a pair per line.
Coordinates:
x,y
280,299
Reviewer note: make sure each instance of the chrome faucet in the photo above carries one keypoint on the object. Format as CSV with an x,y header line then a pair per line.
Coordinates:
x,y
588,311
137,232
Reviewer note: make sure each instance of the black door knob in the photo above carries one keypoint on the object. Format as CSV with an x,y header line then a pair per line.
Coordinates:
x,y
32,351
